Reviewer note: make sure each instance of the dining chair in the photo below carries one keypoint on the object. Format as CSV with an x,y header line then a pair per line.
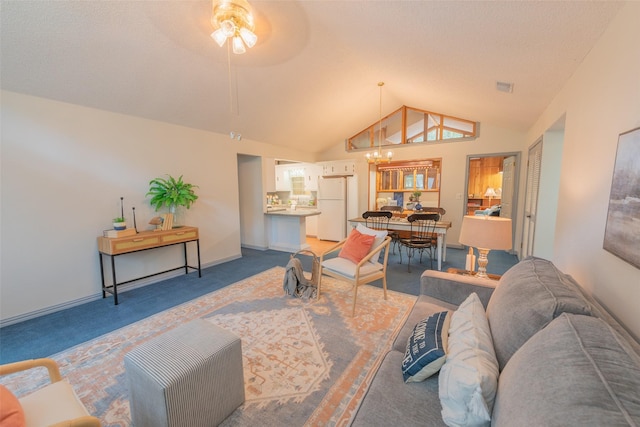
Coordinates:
x,y
53,404
378,220
422,236
393,233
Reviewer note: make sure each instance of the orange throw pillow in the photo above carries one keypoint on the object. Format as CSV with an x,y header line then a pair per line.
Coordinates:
x,y
357,246
11,414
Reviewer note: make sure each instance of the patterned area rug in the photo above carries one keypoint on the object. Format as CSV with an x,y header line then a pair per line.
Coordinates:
x,y
305,362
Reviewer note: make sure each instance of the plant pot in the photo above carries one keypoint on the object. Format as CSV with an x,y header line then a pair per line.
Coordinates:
x,y
119,225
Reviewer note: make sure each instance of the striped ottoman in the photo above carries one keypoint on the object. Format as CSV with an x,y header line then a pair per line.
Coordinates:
x,y
190,376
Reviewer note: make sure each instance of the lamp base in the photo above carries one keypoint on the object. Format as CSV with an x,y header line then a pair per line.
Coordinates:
x,y
482,262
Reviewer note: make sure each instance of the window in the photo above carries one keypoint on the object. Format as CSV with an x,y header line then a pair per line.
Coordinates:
x,y
409,125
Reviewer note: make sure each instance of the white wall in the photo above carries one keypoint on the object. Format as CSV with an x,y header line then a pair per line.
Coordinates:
x,y
64,169
601,100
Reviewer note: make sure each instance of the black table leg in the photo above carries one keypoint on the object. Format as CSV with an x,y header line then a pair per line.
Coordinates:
x,y
186,264
115,287
198,246
104,294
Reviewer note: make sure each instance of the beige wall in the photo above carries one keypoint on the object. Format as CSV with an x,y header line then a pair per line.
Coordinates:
x,y
601,100
64,169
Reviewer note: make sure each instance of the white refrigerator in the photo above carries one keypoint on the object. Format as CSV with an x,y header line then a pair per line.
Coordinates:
x,y
337,202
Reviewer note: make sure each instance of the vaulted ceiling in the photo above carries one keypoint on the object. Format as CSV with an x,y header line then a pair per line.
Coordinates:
x,y
311,80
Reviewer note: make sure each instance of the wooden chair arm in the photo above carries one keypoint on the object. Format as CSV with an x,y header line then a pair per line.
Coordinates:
x,y
50,364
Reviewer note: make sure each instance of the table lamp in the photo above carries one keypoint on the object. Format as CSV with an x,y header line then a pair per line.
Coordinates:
x,y
490,193
485,233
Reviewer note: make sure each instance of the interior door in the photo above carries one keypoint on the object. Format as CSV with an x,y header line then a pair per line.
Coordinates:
x,y
508,186
534,163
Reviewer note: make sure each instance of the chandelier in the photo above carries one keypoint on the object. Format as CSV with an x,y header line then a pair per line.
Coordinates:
x,y
234,22
377,156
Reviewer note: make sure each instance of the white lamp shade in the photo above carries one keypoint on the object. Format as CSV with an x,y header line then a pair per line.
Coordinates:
x,y
219,36
486,232
490,192
238,46
248,36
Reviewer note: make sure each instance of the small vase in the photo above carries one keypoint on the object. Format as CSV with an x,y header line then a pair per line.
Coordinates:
x,y
119,225
418,207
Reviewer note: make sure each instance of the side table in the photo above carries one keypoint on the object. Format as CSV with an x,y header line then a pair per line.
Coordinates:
x,y
143,241
472,273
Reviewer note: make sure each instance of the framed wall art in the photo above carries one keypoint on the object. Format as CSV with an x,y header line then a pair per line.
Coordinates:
x,y
622,232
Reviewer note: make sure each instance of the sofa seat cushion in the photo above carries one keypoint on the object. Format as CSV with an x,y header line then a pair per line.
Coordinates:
x,y
348,268
529,296
576,371
392,402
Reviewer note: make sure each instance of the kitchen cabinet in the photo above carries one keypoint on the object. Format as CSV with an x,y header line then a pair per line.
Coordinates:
x,y
339,167
312,226
311,174
283,180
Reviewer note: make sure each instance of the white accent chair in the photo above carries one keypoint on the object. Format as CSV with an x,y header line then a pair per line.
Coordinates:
x,y
55,404
366,271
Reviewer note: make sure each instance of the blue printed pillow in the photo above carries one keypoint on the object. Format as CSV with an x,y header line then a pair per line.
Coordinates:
x,y
426,348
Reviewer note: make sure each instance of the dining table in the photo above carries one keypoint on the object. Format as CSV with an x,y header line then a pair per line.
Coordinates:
x,y
397,223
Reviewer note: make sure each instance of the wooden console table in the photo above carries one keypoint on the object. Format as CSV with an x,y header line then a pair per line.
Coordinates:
x,y
143,241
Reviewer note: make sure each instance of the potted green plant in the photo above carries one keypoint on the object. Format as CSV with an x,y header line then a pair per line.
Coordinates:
x,y
119,223
171,192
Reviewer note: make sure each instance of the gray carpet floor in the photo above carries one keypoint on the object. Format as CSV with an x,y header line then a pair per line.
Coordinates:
x,y
55,332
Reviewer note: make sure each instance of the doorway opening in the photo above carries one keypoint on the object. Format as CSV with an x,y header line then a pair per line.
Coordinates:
x,y
492,185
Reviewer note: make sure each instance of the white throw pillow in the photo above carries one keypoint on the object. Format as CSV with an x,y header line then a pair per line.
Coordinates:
x,y
380,235
469,378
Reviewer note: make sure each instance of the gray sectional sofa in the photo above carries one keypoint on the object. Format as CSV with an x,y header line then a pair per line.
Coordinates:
x,y
563,360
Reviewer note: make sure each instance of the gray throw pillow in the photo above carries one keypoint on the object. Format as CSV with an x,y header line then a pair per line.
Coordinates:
x,y
577,371
529,296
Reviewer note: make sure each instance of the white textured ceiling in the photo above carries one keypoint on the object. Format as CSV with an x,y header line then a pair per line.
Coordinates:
x,y
311,81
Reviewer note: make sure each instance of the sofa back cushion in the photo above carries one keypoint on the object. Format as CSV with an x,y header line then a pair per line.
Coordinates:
x,y
576,371
529,296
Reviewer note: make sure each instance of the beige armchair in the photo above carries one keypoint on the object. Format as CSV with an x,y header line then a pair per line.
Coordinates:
x,y
55,404
366,271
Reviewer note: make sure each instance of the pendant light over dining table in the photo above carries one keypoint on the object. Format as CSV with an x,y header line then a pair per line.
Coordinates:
x,y
233,21
376,157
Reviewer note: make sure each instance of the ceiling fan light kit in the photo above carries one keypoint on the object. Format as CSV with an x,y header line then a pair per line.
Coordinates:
x,y
233,20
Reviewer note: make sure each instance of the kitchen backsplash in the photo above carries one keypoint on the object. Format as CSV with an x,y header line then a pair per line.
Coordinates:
x,y
287,198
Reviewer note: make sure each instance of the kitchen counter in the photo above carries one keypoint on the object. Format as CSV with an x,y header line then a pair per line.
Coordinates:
x,y
287,228
290,212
